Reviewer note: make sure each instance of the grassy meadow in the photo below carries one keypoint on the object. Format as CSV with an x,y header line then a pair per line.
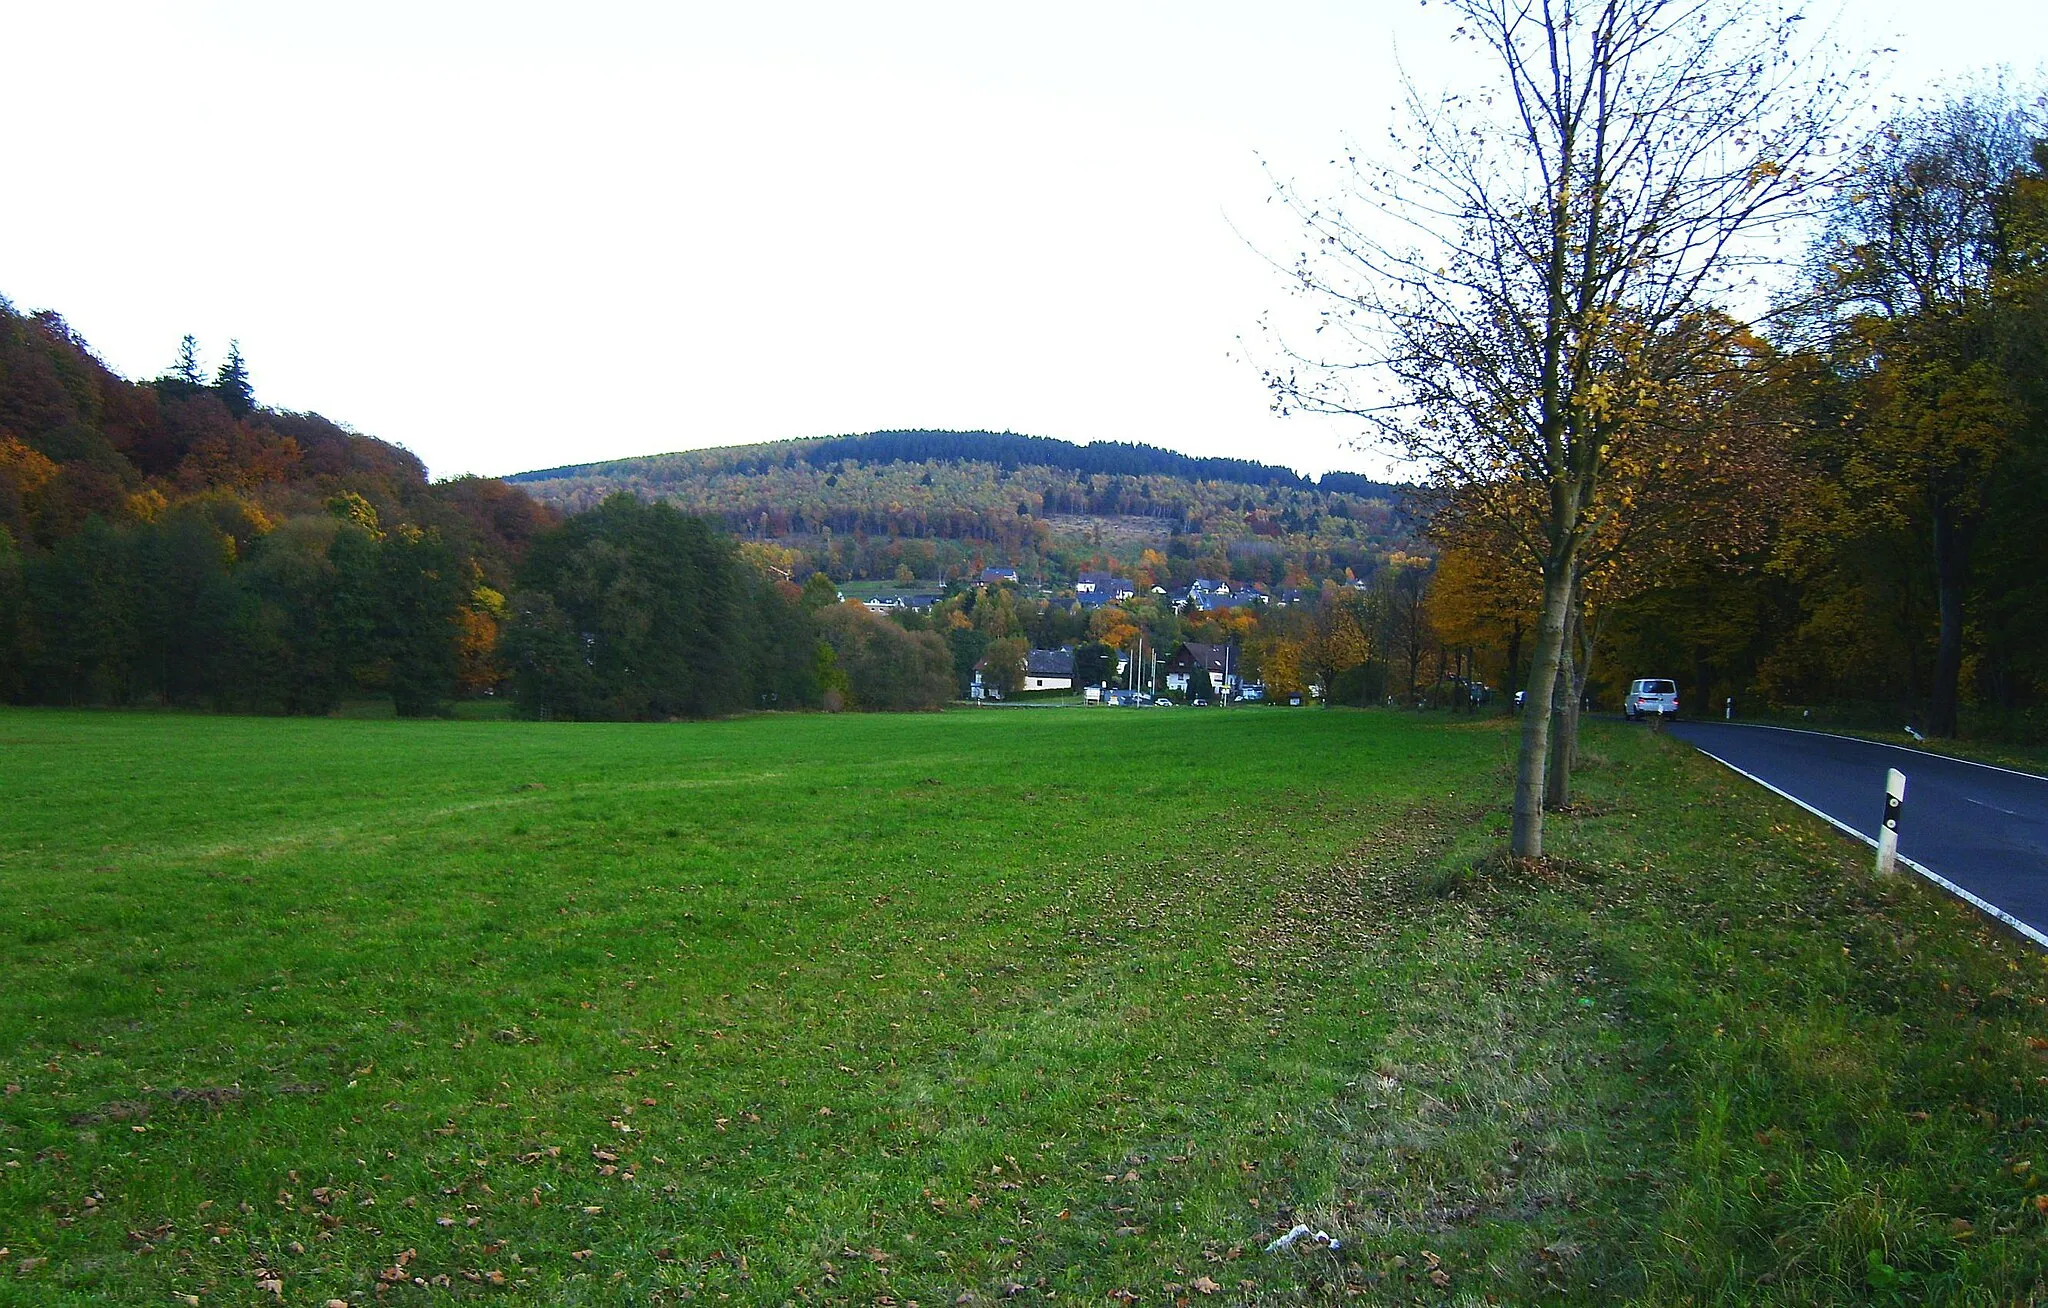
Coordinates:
x,y
1050,1005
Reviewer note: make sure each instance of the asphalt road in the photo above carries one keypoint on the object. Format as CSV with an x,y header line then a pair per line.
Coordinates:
x,y
1981,831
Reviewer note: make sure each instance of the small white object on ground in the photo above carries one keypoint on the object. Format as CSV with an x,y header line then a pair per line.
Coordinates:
x,y
1320,1239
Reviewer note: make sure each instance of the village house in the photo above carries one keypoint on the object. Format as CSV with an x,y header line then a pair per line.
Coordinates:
x,y
1193,657
1044,669
1095,589
1049,669
887,604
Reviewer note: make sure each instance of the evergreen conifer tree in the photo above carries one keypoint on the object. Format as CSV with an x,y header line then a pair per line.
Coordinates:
x,y
186,370
232,381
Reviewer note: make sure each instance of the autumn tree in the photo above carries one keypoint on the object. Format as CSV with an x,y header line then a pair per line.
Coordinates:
x,y
1114,626
887,669
1003,666
1480,600
1338,637
1406,627
1536,262
1916,273
1277,653
1701,479
819,592
630,611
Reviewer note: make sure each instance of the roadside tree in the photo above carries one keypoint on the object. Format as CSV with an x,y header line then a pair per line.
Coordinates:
x,y
1535,265
1923,276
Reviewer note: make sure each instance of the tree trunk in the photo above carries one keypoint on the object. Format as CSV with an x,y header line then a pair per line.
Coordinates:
x,y
1575,668
1526,840
1564,725
1951,569
1582,672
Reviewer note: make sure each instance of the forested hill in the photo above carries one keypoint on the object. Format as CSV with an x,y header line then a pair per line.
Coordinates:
x,y
175,541
937,504
1006,450
78,441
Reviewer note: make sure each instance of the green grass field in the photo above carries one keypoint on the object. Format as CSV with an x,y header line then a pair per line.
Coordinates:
x,y
1052,1005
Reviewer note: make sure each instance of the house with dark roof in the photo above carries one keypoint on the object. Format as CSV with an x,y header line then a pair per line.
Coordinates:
x,y
1049,669
1044,669
1244,599
998,576
1194,657
887,604
1095,589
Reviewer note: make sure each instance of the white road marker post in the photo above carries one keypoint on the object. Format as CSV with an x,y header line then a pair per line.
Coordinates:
x,y
1729,712
1888,832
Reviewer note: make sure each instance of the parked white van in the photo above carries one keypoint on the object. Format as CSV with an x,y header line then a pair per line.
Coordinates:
x,y
1650,695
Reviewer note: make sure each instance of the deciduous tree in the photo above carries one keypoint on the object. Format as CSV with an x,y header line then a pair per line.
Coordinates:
x,y
1506,295
1910,270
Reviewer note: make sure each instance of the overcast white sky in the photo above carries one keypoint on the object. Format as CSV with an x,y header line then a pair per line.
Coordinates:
x,y
510,235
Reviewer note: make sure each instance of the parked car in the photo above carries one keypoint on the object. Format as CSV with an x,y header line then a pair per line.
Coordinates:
x,y
1648,695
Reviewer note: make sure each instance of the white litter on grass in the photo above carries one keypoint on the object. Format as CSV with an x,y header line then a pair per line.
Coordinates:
x,y
1320,1239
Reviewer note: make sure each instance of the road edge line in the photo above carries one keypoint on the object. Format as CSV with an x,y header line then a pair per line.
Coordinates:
x,y
1883,744
1983,905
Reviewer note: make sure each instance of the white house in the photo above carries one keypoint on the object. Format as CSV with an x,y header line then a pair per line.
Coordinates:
x,y
1049,669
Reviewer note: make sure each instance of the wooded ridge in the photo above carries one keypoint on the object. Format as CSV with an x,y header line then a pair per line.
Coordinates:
x,y
939,504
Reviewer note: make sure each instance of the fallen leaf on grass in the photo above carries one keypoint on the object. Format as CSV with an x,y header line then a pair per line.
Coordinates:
x,y
1203,1285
